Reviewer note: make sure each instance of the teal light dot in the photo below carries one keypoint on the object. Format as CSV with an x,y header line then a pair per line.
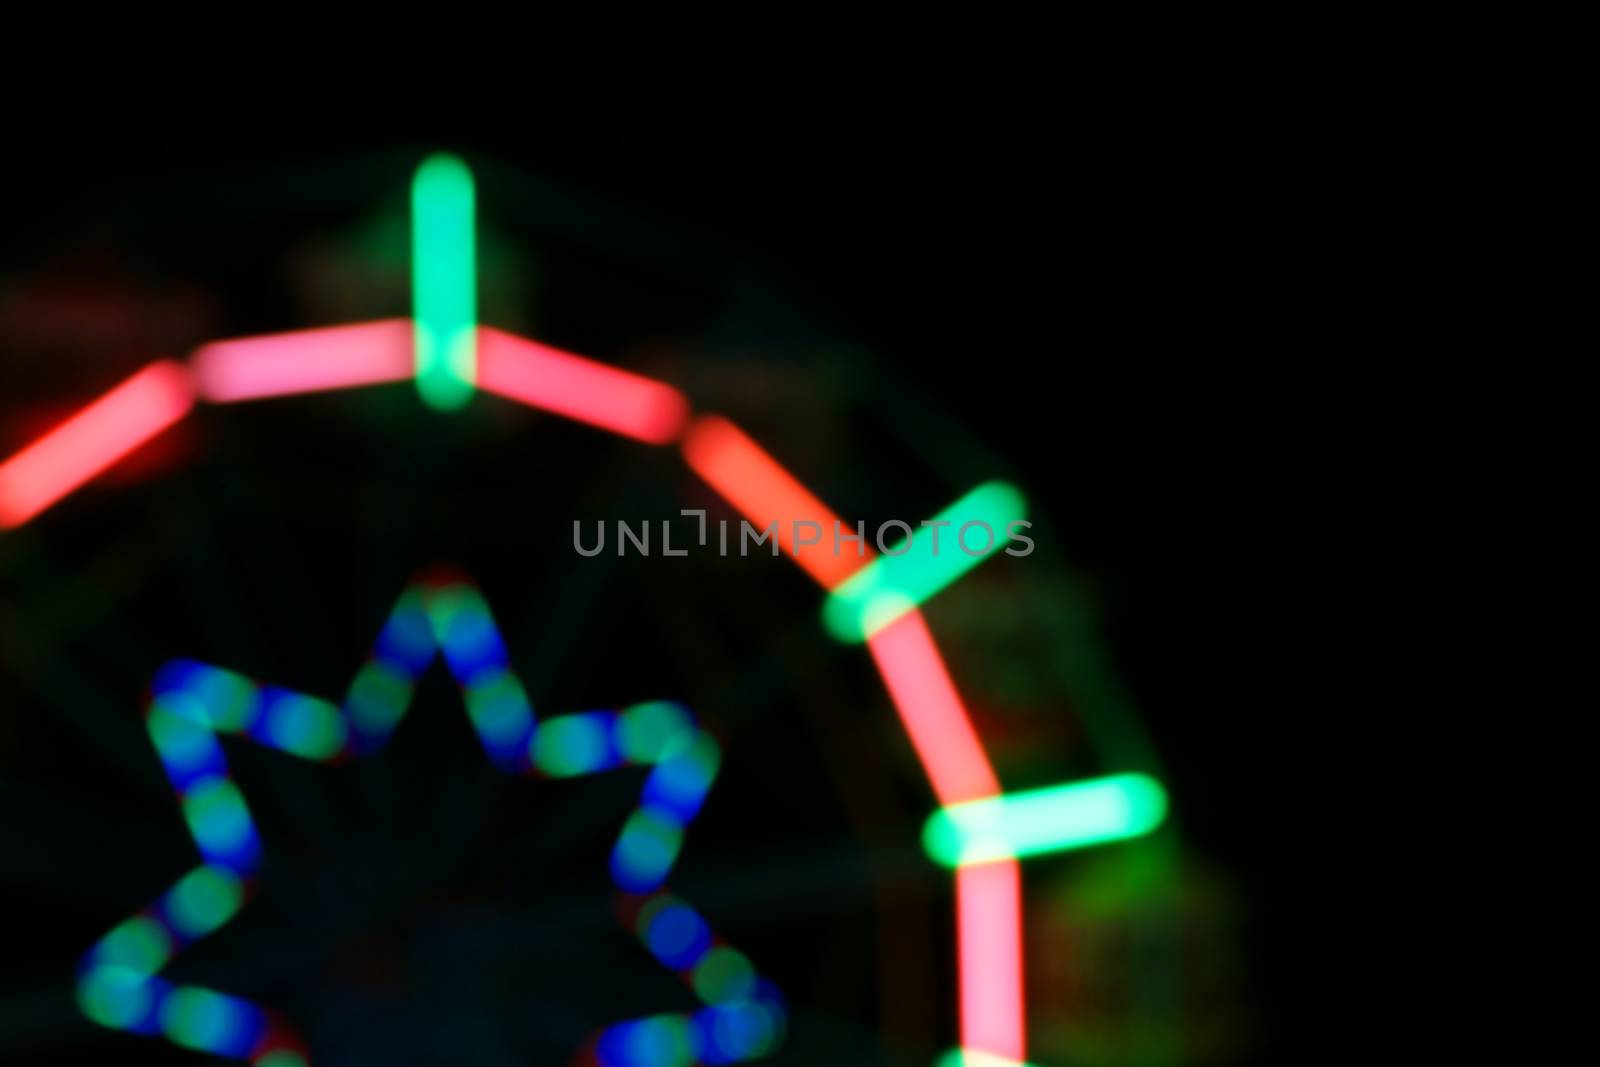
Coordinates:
x,y
201,1019
746,1030
410,629
499,706
115,997
206,898
664,1041
459,616
683,779
140,944
571,745
216,813
470,630
649,733
182,745
724,974
378,697
183,705
647,848
306,726
230,699
672,931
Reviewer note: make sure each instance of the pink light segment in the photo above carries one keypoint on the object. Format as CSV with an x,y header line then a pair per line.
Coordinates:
x,y
989,937
931,710
92,440
578,388
304,361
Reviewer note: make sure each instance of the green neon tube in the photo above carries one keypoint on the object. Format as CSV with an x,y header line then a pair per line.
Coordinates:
x,y
967,1058
1061,817
917,568
444,282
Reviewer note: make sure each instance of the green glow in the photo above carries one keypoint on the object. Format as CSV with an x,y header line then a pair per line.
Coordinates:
x,y
140,945
216,813
410,626
498,705
962,1058
377,698
1045,820
686,774
206,898
650,912
182,705
444,281
174,729
915,569
677,934
570,745
648,842
281,1058
458,615
662,1041
114,996
749,1027
650,733
198,1018
724,975
229,698
307,726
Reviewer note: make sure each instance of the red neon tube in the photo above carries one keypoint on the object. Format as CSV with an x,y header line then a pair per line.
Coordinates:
x,y
92,440
763,492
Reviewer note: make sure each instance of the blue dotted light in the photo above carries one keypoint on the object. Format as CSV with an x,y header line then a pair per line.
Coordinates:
x,y
673,931
192,703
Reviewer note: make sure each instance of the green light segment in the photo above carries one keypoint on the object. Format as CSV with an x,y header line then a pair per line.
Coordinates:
x,y
498,704
176,726
653,732
1045,820
229,699
458,614
648,842
662,1041
307,727
570,745
747,1025
918,567
964,1058
444,284
281,1058
207,897
377,697
198,1018
216,813
723,975
140,945
115,996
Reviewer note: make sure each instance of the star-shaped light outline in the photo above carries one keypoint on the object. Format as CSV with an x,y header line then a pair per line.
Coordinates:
x,y
192,704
